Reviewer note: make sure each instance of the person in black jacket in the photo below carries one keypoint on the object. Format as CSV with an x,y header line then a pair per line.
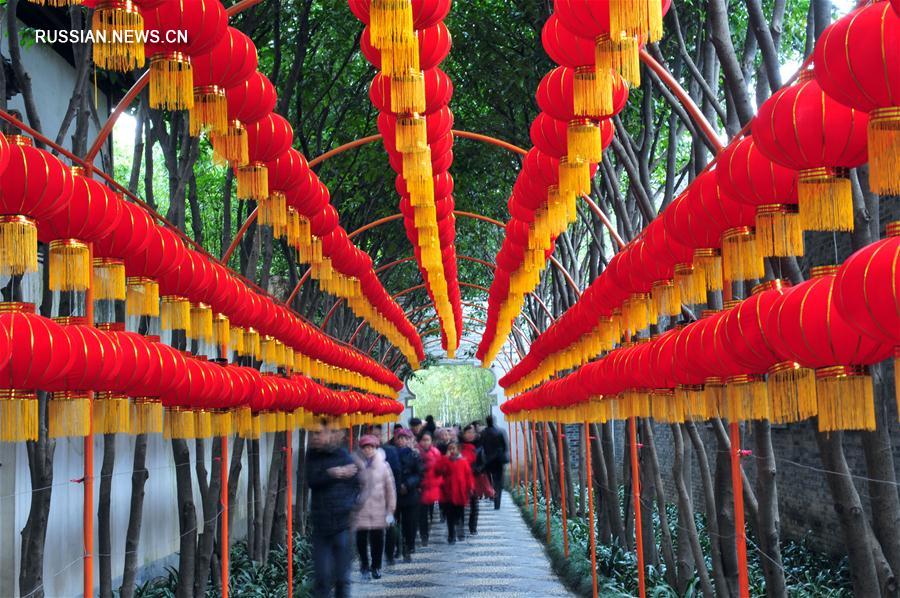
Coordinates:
x,y
334,489
495,450
411,471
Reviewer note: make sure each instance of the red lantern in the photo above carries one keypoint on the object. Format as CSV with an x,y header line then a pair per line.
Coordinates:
x,y
425,13
855,62
433,47
230,62
802,128
247,103
805,326
171,79
751,178
267,139
438,89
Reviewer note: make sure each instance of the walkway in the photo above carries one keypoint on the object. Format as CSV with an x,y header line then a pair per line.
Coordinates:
x,y
503,559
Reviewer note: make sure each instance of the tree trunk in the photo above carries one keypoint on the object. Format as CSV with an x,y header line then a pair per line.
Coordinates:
x,y
725,513
667,548
234,474
255,508
104,533
34,534
688,526
135,517
608,499
769,522
187,519
684,551
276,467
210,496
609,455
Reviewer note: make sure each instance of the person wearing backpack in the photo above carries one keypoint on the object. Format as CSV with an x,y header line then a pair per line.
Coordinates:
x,y
496,455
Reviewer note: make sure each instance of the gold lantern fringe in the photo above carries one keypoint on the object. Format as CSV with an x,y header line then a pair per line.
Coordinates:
x,y
55,3
201,326
792,392
691,284
221,423
408,93
232,146
202,424
252,344
253,181
68,415
146,416
825,200
222,334
272,211
574,179
109,279
741,259
141,297
584,141
638,18
176,314
210,110
171,82
411,134
179,423
666,298
69,265
708,266
620,54
714,395
117,26
745,398
694,402
778,230
884,150
418,174
242,421
846,399
399,59
18,245
592,91
391,24
18,415
112,414
636,312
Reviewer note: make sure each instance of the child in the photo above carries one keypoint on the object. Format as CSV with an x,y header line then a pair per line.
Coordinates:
x,y
456,488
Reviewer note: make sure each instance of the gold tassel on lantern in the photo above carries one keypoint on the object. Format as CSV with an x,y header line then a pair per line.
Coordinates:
x,y
179,423
176,313
846,399
638,18
584,141
112,414
109,279
691,284
592,91
747,397
117,26
210,111
18,246
222,334
714,397
202,424
146,416
231,147
56,3
417,173
253,181
620,54
636,312
69,414
825,200
884,150
141,297
391,24
171,82
272,211
252,344
18,415
411,135
778,230
201,326
741,259
408,93
708,266
792,392
666,298
70,265
694,405
221,423
399,59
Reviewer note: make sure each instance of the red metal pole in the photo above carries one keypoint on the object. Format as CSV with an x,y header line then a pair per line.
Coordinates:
x,y
547,481
562,486
289,467
525,445
534,475
737,488
589,475
636,490
223,498
88,482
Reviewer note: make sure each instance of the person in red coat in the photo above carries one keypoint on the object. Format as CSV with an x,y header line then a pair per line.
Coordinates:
x,y
470,451
456,489
431,485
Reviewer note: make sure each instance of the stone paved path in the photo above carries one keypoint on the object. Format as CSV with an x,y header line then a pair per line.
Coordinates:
x,y
504,559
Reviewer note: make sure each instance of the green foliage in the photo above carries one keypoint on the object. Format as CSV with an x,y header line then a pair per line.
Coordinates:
x,y
452,393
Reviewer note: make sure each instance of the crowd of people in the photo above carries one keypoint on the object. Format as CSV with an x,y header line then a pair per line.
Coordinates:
x,y
382,495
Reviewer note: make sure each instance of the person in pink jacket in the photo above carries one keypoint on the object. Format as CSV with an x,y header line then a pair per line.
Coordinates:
x,y
431,485
377,503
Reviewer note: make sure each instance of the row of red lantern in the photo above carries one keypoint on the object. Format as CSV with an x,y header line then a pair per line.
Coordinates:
x,y
812,343
71,359
411,94
41,198
803,141
577,101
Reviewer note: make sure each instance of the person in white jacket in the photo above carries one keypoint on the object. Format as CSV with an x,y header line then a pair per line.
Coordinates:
x,y
377,503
